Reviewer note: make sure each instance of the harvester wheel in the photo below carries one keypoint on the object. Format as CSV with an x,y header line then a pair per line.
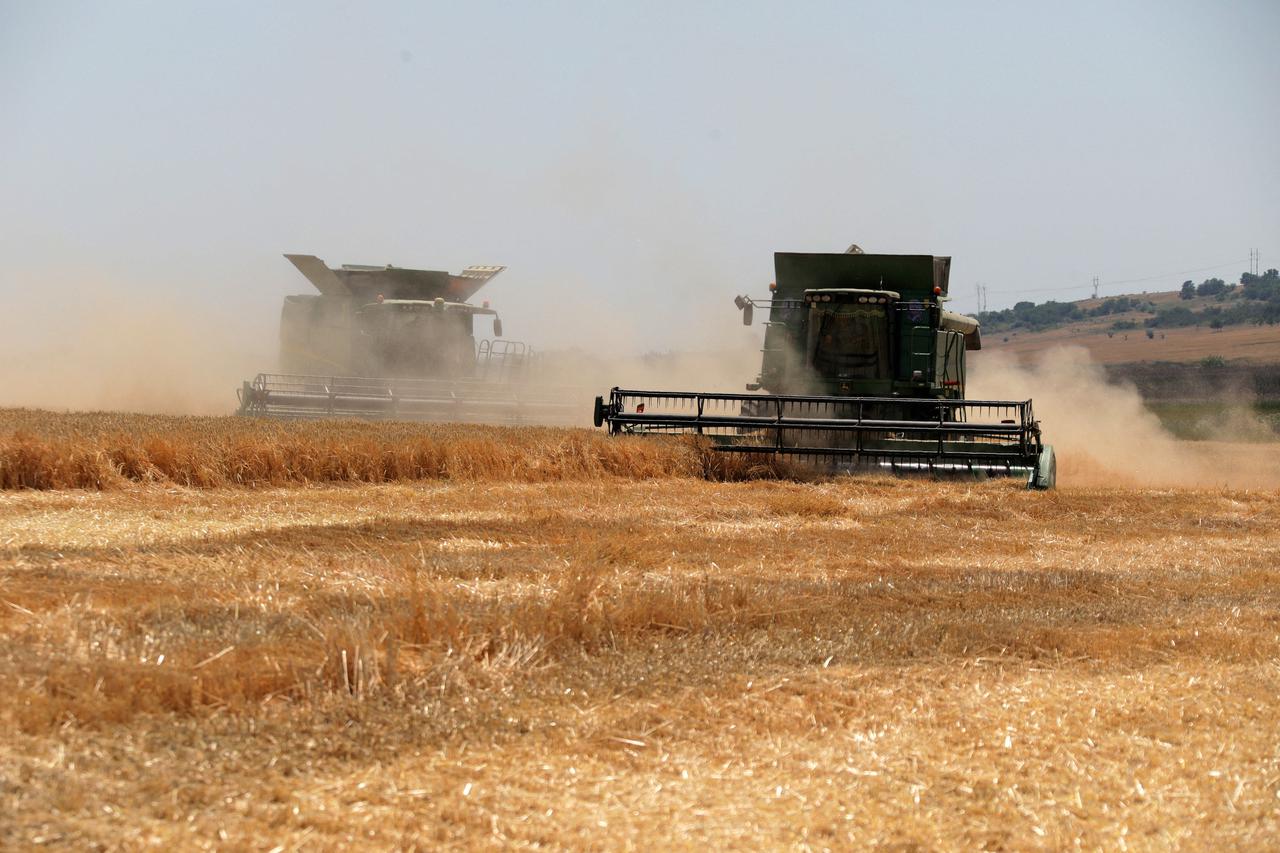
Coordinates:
x,y
598,416
1045,475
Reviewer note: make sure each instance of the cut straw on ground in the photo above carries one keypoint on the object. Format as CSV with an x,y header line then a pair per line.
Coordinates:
x,y
107,451
604,660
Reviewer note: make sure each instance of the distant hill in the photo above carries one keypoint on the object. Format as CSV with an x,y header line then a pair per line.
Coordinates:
x,y
1206,321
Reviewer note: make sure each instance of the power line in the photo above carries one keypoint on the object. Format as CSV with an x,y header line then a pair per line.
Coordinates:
x,y
1172,274
1118,282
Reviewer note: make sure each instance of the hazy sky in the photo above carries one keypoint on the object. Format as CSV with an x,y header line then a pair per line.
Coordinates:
x,y
635,165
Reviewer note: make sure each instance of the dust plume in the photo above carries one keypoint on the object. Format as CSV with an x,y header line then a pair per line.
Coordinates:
x,y
142,355
726,366
726,358
1104,435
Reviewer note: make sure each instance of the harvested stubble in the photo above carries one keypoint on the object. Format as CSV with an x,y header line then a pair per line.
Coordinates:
x,y
677,662
40,450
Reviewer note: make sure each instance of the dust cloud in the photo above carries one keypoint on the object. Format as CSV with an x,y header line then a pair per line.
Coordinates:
x,y
1103,434
726,367
148,355
163,356
582,376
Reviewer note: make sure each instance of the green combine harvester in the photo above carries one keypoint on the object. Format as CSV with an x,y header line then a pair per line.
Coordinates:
x,y
863,369
389,343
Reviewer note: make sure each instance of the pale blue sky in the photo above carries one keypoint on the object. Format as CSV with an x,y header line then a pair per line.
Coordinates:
x,y
643,160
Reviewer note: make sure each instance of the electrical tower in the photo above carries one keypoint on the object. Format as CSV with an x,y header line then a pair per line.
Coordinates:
x,y
1255,261
1095,287
982,296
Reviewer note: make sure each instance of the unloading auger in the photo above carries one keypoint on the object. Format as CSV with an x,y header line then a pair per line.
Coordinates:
x,y
864,369
384,342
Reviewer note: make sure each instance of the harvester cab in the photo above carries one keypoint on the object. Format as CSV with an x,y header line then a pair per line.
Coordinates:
x,y
862,367
390,342
862,325
416,337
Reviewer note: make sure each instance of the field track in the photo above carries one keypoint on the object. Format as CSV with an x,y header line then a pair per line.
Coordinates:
x,y
532,655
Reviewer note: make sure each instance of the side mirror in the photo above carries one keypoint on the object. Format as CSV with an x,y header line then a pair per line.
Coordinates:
x,y
746,314
497,327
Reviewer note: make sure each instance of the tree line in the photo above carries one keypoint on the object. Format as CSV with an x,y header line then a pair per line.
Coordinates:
x,y
1255,299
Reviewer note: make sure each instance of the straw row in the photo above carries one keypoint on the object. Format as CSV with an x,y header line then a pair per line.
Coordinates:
x,y
108,451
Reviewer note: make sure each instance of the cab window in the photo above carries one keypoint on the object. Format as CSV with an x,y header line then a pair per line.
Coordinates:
x,y
850,341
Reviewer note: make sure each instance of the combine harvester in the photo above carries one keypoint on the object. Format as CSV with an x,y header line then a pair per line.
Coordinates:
x,y
399,344
863,369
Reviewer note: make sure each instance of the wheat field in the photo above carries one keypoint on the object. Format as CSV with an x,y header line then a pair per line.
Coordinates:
x,y
229,635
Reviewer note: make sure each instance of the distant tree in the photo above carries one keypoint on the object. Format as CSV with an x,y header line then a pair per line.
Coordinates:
x,y
1188,290
1117,305
1211,287
1265,287
1270,314
1151,333
1173,316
